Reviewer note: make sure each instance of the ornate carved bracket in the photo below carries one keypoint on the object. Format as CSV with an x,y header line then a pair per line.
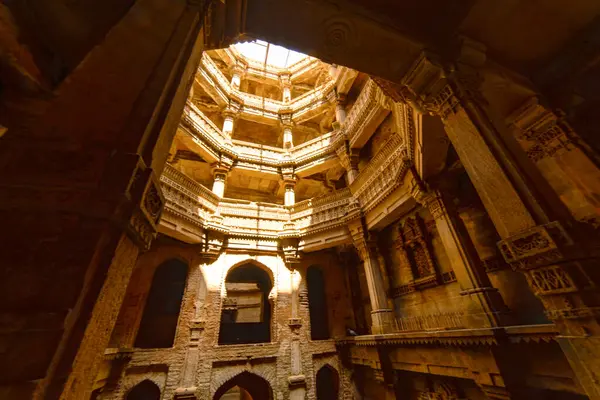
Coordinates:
x,y
144,195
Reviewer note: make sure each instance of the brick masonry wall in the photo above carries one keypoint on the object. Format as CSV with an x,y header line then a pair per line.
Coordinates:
x,y
197,363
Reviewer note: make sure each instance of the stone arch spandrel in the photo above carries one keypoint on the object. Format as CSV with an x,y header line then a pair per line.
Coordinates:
x,y
220,376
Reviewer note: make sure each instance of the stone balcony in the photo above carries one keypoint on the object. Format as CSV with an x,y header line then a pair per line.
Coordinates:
x,y
192,209
259,108
316,155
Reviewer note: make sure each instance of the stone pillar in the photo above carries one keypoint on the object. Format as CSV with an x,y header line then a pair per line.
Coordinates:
x,y
236,75
286,124
559,270
220,177
487,308
382,317
349,160
286,86
340,110
230,114
290,195
352,170
79,190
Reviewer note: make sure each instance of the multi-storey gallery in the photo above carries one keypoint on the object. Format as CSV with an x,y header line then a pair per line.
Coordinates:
x,y
270,200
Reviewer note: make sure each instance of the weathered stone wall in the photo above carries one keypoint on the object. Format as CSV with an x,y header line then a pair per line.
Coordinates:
x,y
196,363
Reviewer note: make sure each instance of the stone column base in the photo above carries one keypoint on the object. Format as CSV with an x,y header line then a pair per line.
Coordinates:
x,y
383,321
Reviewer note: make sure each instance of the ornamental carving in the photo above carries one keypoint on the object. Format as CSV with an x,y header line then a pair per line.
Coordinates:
x,y
415,245
551,280
148,201
541,133
541,245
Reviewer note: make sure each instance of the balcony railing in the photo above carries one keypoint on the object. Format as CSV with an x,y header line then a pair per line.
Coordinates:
x,y
299,106
191,200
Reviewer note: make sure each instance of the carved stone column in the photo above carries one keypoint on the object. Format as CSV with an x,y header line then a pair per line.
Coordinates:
x,y
286,86
559,270
220,170
286,125
349,160
230,114
237,72
220,177
382,317
488,307
290,195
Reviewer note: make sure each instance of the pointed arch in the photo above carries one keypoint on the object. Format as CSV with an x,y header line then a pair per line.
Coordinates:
x,y
145,390
256,386
327,383
161,312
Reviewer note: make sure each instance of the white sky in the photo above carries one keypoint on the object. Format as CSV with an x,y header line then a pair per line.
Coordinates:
x,y
269,54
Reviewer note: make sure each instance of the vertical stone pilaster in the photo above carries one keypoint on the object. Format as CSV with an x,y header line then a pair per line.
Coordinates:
x,y
488,307
383,318
230,115
286,87
286,126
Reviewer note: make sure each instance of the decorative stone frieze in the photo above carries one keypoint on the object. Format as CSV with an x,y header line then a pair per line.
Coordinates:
x,y
368,112
541,245
542,132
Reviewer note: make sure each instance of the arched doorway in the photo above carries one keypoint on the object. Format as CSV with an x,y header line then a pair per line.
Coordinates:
x,y
246,310
317,303
245,386
328,383
145,390
161,313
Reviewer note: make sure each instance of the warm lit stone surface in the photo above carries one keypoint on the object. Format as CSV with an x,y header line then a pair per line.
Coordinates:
x,y
408,210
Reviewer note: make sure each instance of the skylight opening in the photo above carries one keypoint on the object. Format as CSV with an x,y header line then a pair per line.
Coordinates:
x,y
269,54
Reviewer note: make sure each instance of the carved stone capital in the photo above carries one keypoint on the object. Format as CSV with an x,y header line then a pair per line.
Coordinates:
x,y
285,79
291,254
233,110
439,89
239,68
285,119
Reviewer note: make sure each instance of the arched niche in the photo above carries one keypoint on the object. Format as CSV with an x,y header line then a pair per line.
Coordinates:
x,y
161,313
246,310
251,386
327,383
317,303
145,390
